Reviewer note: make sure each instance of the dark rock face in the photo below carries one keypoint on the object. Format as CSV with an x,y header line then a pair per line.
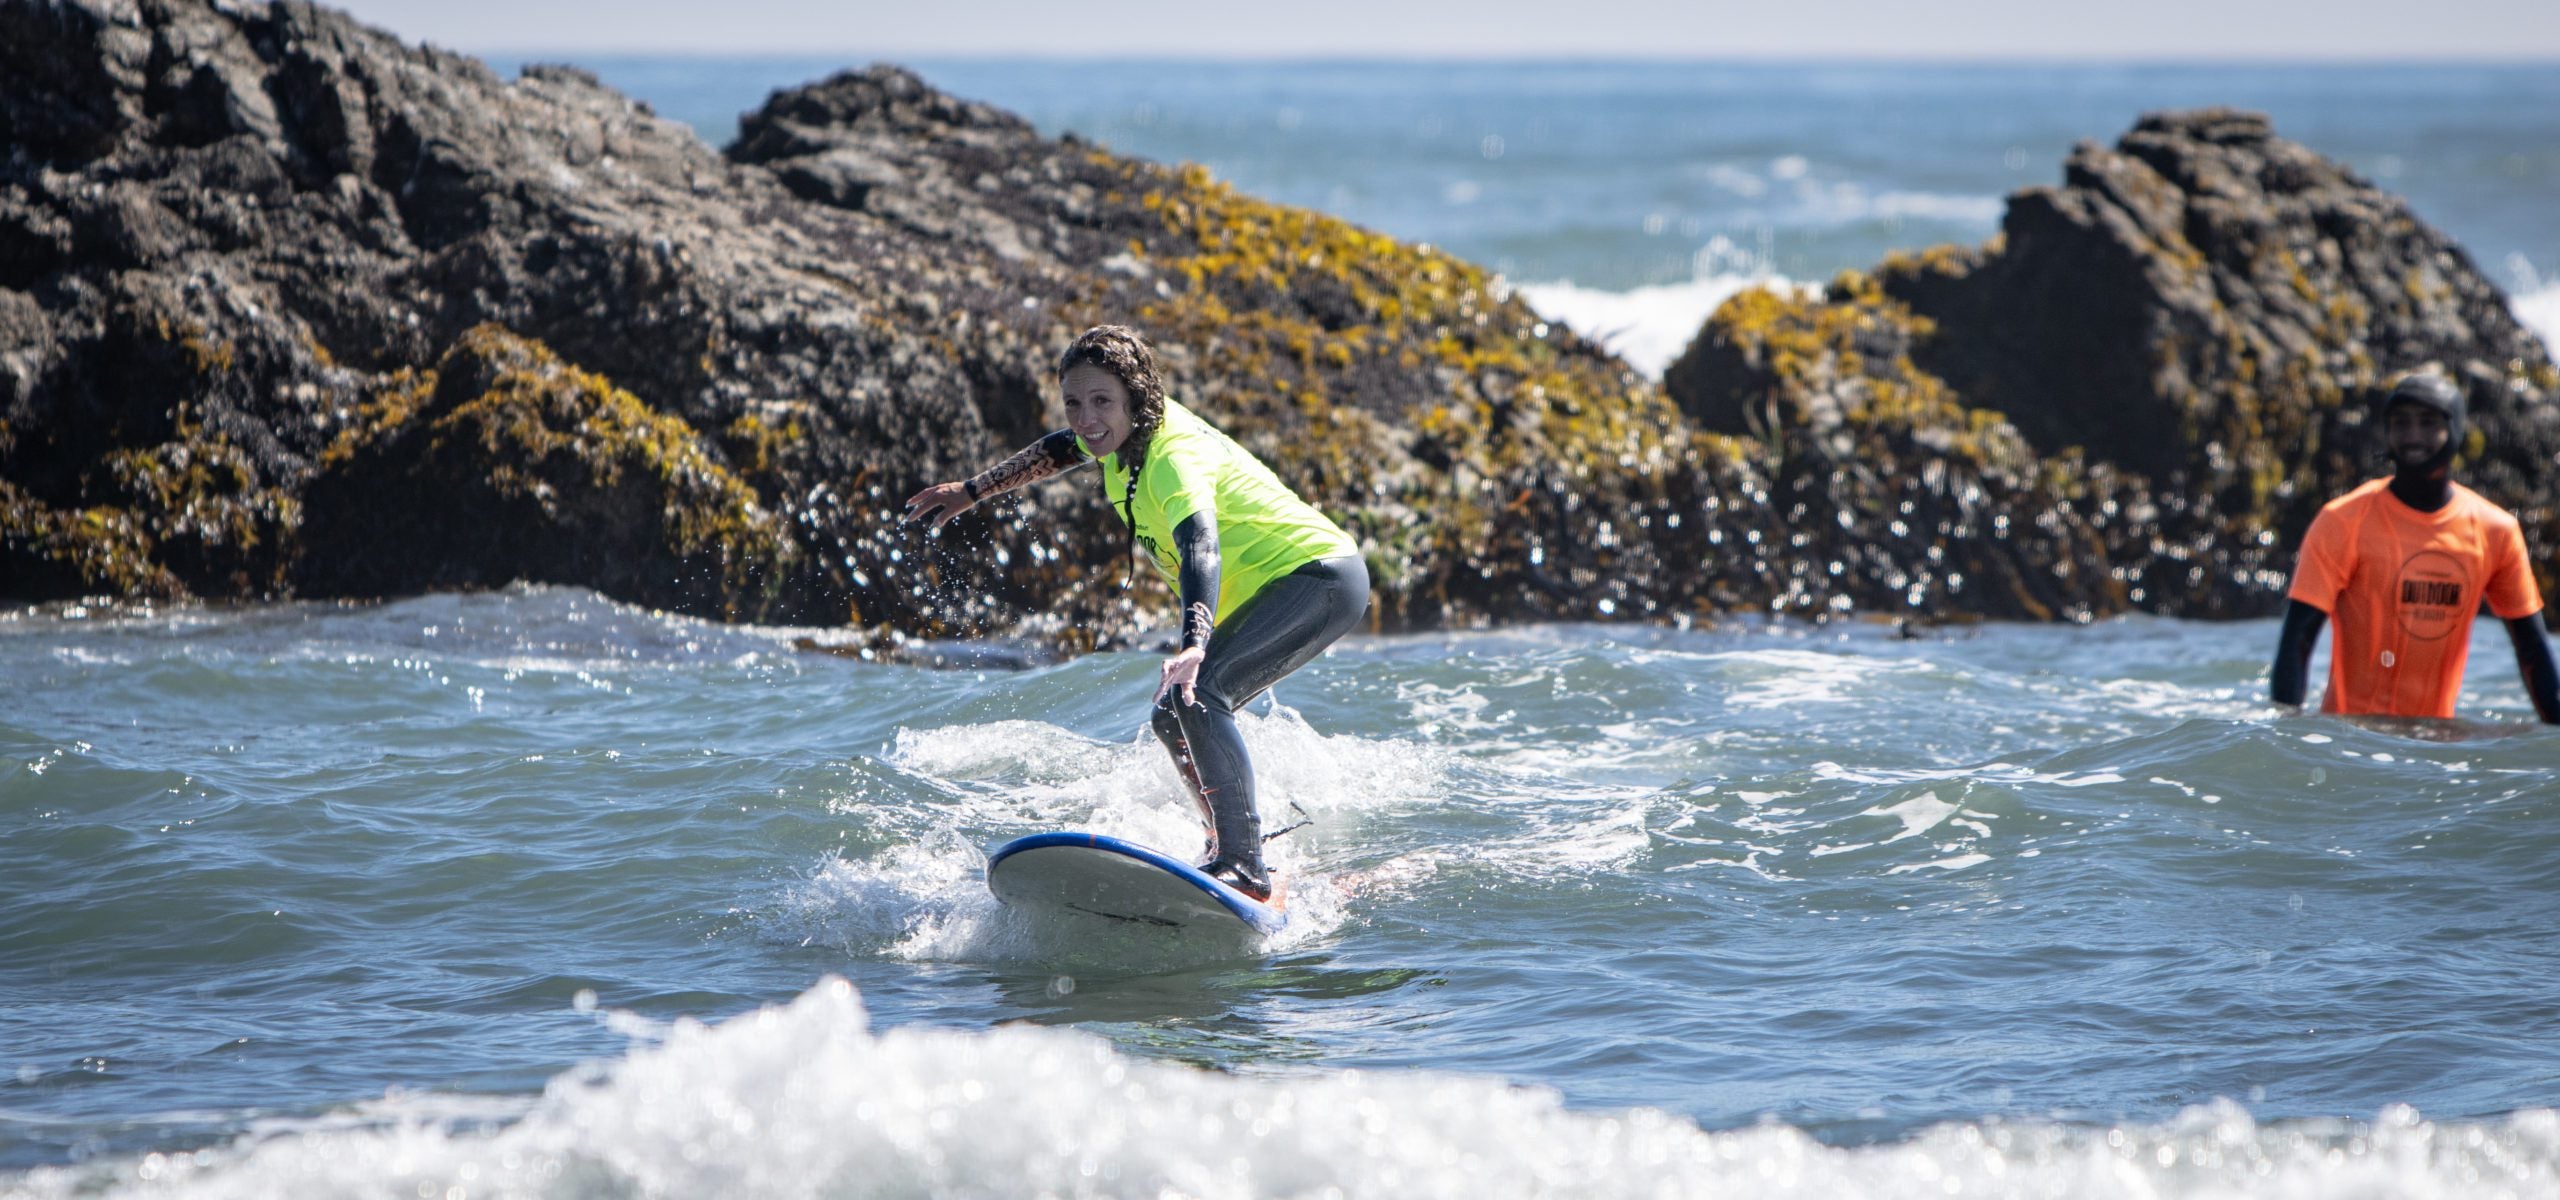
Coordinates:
x,y
235,233
224,229
1939,508
2219,309
506,464
2212,311
289,308
226,232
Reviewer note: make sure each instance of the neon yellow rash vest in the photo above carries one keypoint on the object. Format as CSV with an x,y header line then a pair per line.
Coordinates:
x,y
1264,530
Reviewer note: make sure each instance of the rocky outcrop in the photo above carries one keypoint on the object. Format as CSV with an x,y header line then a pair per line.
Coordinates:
x,y
230,234
2211,311
503,463
1940,508
288,308
227,231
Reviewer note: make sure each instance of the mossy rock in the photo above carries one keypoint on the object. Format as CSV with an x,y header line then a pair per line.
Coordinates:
x,y
185,518
54,554
505,463
1886,493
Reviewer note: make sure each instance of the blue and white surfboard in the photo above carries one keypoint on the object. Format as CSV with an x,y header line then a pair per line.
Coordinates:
x,y
1123,881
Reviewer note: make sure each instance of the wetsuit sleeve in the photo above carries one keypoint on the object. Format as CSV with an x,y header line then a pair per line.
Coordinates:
x,y
1195,539
1065,449
2291,675
2533,661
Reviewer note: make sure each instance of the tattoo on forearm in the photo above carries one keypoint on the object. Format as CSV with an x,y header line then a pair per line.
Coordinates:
x,y
1196,625
1036,462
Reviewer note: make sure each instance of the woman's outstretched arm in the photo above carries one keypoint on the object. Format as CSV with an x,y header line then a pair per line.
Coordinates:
x,y
1051,455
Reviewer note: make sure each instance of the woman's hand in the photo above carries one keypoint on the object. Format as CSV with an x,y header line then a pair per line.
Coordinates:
x,y
938,504
1182,671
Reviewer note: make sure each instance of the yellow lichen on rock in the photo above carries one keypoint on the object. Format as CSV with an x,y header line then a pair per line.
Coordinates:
x,y
102,549
502,421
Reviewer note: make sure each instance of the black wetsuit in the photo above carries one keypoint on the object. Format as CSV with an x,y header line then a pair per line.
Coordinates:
x,y
1282,628
1270,634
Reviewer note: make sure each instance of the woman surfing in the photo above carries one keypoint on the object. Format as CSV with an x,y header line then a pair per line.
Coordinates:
x,y
1265,581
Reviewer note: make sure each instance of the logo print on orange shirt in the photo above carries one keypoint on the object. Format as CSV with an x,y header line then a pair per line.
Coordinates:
x,y
2431,586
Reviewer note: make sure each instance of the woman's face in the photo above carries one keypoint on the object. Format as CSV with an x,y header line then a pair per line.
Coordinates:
x,y
1097,408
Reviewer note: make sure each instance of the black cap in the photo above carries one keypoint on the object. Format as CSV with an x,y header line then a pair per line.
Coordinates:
x,y
2430,390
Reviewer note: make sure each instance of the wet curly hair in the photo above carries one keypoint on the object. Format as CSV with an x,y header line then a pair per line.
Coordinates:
x,y
1123,352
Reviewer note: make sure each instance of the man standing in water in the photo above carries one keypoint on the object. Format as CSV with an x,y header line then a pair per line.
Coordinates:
x,y
2403,563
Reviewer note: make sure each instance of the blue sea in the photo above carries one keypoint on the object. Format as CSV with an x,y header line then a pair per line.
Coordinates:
x,y
1629,199
531,893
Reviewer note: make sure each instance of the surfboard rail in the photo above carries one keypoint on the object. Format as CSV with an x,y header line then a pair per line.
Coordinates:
x,y
1097,891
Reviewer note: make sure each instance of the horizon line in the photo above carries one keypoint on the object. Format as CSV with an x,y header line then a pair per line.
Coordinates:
x,y
1629,58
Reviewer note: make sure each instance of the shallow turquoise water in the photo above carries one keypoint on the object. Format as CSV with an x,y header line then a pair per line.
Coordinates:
x,y
355,898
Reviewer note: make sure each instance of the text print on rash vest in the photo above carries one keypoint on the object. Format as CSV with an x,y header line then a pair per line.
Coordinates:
x,y
2431,587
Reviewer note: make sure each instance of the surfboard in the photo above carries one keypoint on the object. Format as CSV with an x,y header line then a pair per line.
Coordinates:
x,y
1125,882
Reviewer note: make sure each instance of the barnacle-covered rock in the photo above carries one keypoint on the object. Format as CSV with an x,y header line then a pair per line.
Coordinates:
x,y
504,463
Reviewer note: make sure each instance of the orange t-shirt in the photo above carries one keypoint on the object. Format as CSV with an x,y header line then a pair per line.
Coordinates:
x,y
2402,587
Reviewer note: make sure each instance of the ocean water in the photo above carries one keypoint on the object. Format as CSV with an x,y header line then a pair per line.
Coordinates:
x,y
1629,199
534,894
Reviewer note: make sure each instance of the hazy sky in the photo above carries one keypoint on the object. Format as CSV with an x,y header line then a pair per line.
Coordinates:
x,y
1956,29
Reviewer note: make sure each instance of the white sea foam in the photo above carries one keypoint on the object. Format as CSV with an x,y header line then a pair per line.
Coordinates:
x,y
1648,326
1005,750
1935,206
808,1100
1918,815
1794,679
1832,203
926,900
1050,773
2539,309
1587,843
1956,863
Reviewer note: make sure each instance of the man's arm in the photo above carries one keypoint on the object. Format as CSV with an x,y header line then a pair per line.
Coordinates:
x,y
2292,671
2533,661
